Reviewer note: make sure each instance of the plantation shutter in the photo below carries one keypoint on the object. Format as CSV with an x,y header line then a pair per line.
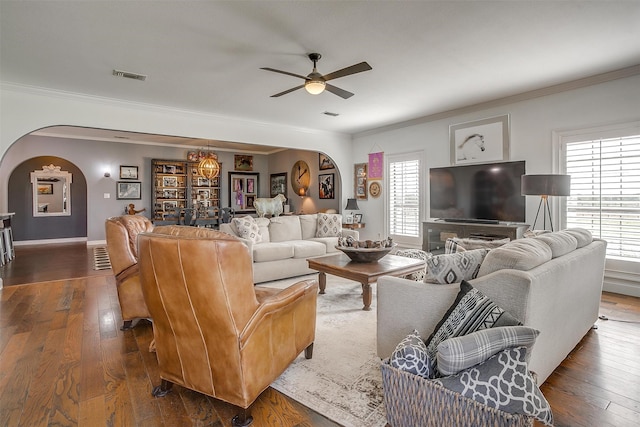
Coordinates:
x,y
404,198
605,192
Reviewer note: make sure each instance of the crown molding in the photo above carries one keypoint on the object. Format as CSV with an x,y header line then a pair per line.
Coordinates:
x,y
622,73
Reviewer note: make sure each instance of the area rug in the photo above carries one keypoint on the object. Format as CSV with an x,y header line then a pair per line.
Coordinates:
x,y
342,381
101,259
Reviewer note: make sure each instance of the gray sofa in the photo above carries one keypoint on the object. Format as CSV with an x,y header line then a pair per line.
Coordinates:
x,y
547,282
285,244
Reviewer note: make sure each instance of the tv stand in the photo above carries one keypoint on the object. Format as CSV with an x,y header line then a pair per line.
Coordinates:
x,y
472,220
435,233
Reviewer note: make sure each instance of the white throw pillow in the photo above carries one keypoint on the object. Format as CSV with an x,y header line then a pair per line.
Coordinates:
x,y
329,225
248,228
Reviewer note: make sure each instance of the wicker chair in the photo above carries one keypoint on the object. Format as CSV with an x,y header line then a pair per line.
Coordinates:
x,y
411,400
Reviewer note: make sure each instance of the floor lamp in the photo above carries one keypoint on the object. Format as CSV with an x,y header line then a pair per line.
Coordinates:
x,y
545,186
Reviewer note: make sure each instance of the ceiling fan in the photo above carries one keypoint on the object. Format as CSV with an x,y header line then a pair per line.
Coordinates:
x,y
315,83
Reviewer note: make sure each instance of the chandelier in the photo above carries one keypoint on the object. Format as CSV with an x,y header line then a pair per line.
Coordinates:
x,y
209,166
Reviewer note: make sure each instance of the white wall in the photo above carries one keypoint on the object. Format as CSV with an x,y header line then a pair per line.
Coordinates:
x,y
532,124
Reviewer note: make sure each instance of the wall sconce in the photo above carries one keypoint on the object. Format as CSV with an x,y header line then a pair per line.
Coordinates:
x,y
302,192
107,174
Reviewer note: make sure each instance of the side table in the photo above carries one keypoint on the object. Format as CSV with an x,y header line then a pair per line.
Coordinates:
x,y
353,226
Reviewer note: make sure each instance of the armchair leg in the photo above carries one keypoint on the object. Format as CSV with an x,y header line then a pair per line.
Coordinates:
x,y
128,324
162,389
308,352
243,419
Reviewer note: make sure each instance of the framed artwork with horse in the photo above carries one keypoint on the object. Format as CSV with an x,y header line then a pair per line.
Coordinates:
x,y
480,141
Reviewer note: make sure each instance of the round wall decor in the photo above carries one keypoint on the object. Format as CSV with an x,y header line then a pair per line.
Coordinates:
x,y
375,189
300,176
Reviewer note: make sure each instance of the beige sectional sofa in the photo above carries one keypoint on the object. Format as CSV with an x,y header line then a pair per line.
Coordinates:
x,y
552,283
285,242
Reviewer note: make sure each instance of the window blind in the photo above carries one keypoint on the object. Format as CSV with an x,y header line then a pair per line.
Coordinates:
x,y
404,198
605,192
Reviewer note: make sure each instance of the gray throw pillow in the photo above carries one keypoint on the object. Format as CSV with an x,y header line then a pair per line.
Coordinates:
x,y
471,311
418,276
456,354
454,268
410,355
503,382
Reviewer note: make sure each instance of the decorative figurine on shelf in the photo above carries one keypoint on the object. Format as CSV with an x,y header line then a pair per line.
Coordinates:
x,y
131,209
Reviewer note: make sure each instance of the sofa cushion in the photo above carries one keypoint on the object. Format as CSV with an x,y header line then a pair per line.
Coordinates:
x,y
456,354
329,242
309,225
471,311
560,242
307,248
248,228
263,226
583,237
285,228
521,254
272,251
456,244
418,276
503,382
453,268
329,225
410,355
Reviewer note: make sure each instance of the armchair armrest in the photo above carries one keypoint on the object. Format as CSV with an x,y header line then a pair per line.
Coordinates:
x,y
278,301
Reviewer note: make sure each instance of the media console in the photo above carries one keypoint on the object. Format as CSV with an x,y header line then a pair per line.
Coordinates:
x,y
436,232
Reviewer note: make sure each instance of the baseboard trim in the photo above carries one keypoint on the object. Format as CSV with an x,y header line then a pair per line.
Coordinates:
x,y
620,287
49,241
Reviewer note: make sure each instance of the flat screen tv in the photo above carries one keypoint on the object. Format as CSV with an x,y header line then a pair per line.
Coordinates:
x,y
484,192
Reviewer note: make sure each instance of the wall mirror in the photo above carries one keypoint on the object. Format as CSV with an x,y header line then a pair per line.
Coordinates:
x,y
51,191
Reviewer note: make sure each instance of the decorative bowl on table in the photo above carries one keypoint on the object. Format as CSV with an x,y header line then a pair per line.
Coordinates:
x,y
373,254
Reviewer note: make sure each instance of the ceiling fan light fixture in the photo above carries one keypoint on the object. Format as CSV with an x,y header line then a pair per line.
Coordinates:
x,y
315,87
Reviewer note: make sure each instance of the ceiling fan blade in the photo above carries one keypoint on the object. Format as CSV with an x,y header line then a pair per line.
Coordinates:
x,y
357,68
337,91
285,72
287,91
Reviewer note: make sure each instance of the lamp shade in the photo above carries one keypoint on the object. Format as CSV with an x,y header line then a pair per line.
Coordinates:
x,y
352,205
546,185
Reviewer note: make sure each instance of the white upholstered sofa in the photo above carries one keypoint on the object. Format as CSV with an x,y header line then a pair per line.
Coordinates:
x,y
549,282
285,242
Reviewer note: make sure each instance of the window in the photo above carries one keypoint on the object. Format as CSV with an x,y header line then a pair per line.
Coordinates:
x,y
404,198
605,190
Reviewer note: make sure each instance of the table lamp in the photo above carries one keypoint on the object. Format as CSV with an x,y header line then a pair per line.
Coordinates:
x,y
352,205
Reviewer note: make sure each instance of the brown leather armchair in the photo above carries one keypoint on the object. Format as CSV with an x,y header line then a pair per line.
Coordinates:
x,y
215,332
122,233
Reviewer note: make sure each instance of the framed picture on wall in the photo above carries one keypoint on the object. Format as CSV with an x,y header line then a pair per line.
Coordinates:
x,y
360,180
324,162
480,141
128,172
242,162
278,184
326,186
128,190
240,199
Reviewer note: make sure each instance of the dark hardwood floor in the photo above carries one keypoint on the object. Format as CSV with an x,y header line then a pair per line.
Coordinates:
x,y
64,361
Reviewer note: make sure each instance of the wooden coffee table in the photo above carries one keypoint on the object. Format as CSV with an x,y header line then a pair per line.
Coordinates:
x,y
366,273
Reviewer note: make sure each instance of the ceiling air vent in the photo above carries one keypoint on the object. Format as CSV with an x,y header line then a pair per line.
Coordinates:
x,y
329,113
128,75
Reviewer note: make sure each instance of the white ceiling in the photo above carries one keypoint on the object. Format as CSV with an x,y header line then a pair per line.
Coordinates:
x,y
427,56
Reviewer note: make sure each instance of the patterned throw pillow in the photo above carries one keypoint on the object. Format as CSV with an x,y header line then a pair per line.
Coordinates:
x,y
456,354
503,382
410,355
456,244
418,276
454,268
471,311
248,228
329,225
